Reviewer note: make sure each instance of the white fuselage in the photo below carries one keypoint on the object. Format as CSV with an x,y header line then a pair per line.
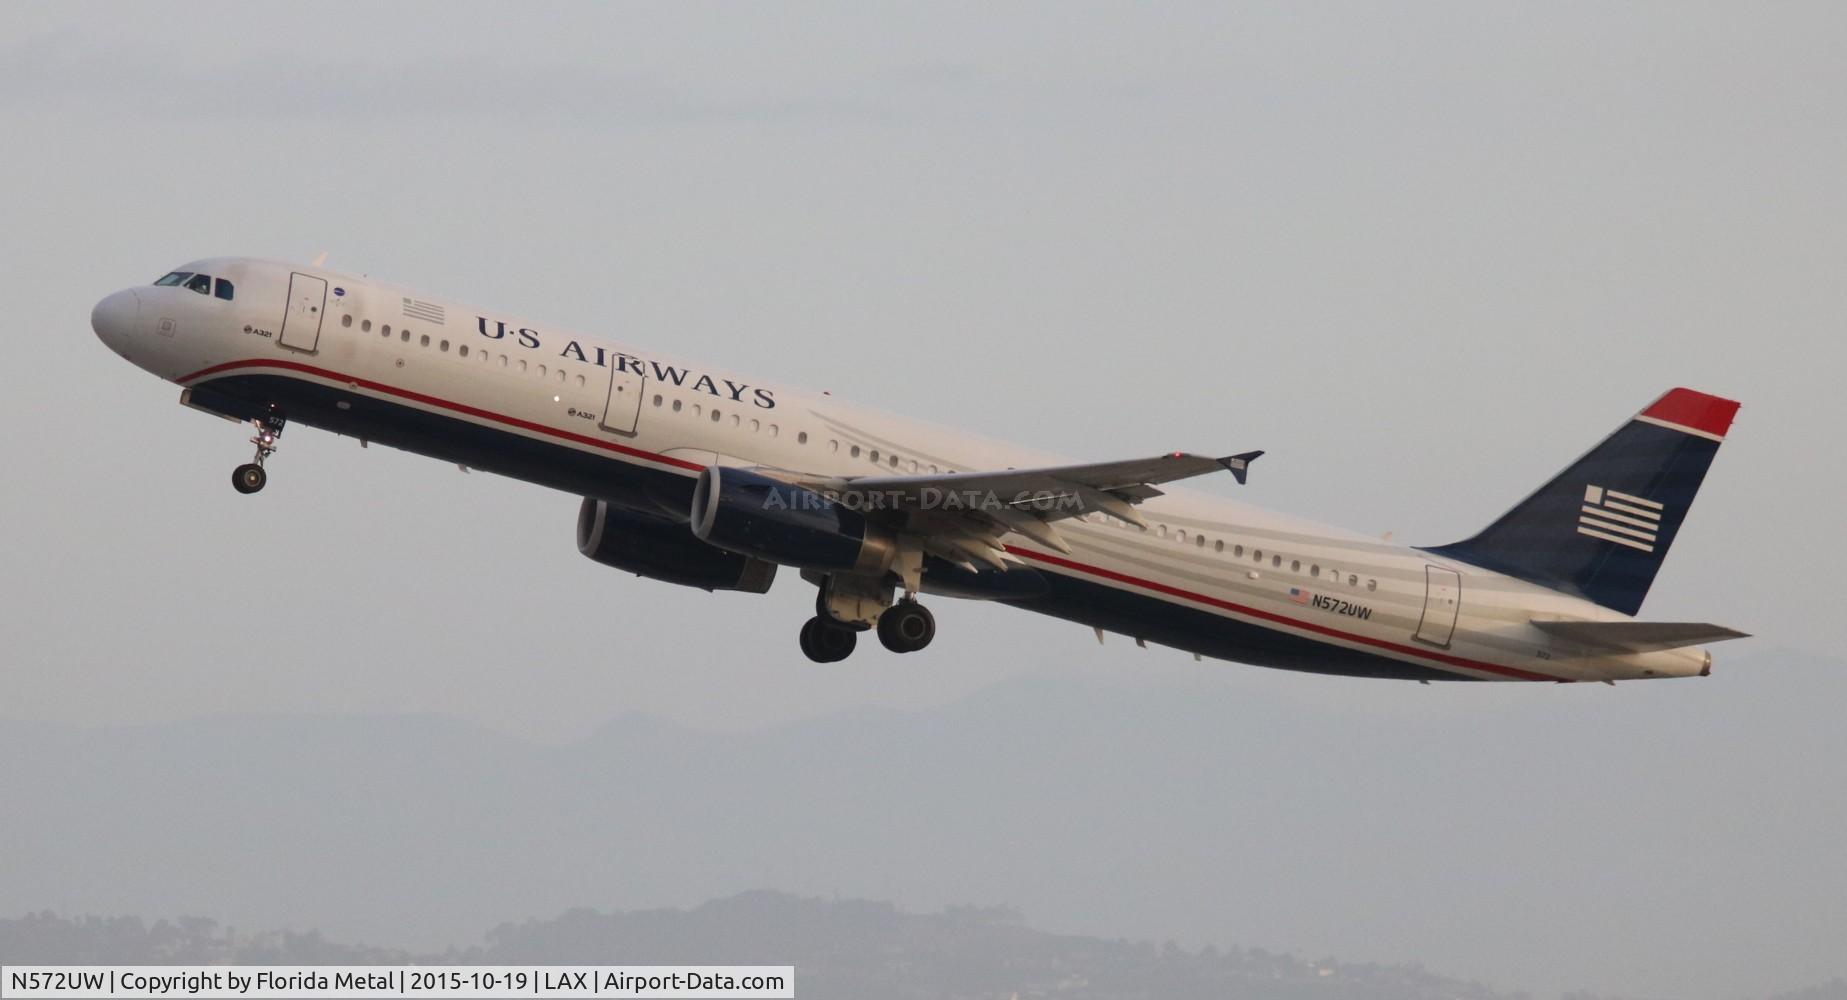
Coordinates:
x,y
1207,574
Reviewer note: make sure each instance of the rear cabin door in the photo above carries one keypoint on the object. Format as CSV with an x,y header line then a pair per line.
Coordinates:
x,y
1442,602
622,409
301,325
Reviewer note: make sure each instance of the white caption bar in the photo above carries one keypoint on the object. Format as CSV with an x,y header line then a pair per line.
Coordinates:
x,y
745,982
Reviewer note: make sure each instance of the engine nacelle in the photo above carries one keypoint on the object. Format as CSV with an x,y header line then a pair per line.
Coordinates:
x,y
751,514
662,549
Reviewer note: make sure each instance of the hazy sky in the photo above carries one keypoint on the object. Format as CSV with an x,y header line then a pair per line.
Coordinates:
x,y
1424,256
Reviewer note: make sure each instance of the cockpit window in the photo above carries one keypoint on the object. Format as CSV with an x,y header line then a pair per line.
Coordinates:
x,y
201,283
173,278
223,290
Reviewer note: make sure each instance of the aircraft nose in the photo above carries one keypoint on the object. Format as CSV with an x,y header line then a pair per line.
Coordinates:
x,y
114,319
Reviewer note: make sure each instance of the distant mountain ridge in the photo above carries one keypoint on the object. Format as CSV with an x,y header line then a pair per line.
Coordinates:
x,y
1196,811
847,949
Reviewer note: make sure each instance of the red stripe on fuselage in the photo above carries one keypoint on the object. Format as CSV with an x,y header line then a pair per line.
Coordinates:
x,y
473,411
1051,560
1171,591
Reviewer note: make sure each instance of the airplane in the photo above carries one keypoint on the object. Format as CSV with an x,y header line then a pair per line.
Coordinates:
x,y
712,479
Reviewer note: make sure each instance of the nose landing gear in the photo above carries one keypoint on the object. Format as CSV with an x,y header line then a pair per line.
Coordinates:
x,y
250,477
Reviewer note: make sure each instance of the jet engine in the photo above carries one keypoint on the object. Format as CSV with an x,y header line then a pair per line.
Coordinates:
x,y
754,515
663,549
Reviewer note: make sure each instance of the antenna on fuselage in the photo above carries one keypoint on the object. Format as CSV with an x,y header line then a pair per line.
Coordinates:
x,y
321,261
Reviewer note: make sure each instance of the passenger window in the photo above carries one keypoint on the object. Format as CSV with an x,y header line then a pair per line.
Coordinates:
x,y
1276,561
424,341
1218,546
386,330
346,320
1200,542
801,438
657,399
461,349
365,326
676,406
874,455
1354,580
1295,566
854,452
172,278
223,290
1372,585
443,346
201,283
1314,570
715,416
1257,555
1238,550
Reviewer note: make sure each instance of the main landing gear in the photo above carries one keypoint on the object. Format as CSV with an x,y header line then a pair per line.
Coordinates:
x,y
907,626
827,641
250,477
847,606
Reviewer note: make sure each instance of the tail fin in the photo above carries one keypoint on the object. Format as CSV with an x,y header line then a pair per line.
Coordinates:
x,y
1601,528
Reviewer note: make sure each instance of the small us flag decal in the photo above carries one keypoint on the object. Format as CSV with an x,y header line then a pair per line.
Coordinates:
x,y
429,312
1619,517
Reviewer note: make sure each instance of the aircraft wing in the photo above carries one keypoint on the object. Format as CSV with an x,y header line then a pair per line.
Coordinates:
x,y
1134,477
1638,637
961,516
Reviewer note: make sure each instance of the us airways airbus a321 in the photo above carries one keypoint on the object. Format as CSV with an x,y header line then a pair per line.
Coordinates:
x,y
708,478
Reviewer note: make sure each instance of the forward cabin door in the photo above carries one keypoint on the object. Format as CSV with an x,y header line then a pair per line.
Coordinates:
x,y
622,409
301,325
1442,602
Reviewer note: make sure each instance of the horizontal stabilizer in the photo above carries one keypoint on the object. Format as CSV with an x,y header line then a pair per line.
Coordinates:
x,y
1638,637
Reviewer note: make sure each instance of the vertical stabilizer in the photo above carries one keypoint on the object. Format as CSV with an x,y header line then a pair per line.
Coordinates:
x,y
1601,528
